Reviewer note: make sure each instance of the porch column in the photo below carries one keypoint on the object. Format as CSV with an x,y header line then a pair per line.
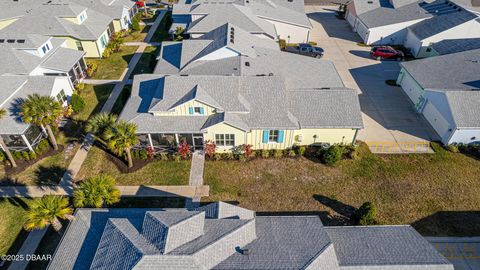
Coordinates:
x,y
176,138
27,142
150,140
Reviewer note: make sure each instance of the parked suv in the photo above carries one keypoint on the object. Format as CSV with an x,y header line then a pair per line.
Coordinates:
x,y
386,52
305,49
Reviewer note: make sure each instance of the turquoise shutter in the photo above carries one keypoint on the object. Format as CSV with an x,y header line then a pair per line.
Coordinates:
x,y
280,136
265,136
190,110
202,111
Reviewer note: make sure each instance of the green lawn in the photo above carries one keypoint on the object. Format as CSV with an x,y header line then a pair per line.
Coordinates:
x,y
137,36
161,33
111,68
94,96
155,173
12,211
407,189
147,61
122,100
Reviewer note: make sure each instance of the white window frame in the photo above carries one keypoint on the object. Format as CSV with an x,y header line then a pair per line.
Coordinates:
x,y
199,110
222,140
273,135
61,97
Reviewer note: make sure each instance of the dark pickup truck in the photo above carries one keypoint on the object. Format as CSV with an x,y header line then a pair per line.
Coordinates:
x,y
305,49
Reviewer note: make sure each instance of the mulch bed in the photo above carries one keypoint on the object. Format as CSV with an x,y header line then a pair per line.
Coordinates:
x,y
122,164
23,164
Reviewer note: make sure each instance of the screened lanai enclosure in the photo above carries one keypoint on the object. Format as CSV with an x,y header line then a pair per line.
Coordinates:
x,y
168,142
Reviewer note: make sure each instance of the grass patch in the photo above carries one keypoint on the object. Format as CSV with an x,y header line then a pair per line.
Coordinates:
x,y
12,211
139,35
94,96
407,189
161,32
155,173
147,61
111,68
122,100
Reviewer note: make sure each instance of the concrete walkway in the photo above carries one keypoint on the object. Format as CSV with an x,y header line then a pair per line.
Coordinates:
x,y
196,177
96,82
28,248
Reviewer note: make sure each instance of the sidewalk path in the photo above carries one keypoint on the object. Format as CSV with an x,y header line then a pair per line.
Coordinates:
x,y
140,43
196,178
28,248
155,25
93,81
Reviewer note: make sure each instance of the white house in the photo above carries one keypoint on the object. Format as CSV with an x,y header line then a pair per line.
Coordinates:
x,y
385,22
267,19
446,90
461,24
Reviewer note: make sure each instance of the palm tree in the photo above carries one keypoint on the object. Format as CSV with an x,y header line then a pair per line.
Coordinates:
x,y
121,138
3,112
47,211
43,111
96,192
101,122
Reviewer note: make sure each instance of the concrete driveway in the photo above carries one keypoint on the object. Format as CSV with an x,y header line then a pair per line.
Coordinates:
x,y
462,252
391,124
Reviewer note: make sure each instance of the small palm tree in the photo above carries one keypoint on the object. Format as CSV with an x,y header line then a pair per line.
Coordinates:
x,y
101,122
121,138
3,113
96,192
47,211
43,111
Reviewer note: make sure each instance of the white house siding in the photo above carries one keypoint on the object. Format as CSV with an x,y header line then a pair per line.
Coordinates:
x,y
411,88
362,30
222,128
125,15
393,34
62,83
196,35
183,109
219,54
465,135
290,32
437,121
412,42
470,29
351,19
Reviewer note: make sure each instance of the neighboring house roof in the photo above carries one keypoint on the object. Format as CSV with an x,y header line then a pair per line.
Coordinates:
x,y
361,247
473,5
14,90
441,23
21,61
246,102
218,236
448,46
465,108
451,72
50,20
111,8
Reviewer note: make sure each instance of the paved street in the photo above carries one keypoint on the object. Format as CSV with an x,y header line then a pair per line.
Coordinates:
x,y
391,124
463,252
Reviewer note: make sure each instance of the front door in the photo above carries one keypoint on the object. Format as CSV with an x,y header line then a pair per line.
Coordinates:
x,y
197,141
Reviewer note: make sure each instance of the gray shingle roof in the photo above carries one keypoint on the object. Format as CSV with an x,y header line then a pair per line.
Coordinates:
x,y
440,23
384,246
456,71
448,46
465,108
114,239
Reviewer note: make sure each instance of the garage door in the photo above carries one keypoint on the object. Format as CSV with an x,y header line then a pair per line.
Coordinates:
x,y
362,31
410,86
351,19
437,121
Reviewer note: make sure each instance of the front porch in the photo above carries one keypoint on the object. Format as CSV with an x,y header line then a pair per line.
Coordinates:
x,y
168,142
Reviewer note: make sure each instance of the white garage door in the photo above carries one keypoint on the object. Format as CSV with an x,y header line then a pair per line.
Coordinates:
x,y
410,86
351,19
437,121
362,31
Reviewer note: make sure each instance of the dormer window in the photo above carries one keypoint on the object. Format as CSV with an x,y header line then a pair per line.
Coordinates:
x,y
45,48
196,110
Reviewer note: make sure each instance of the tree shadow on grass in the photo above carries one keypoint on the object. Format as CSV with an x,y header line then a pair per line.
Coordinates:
x,y
49,175
344,212
449,223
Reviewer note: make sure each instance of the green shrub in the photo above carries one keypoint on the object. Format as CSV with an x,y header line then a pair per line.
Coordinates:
x,y
452,148
330,155
242,158
278,153
2,156
229,156
135,154
366,214
313,43
164,156
265,153
291,153
107,52
77,102
135,24
25,155
282,43
32,155
42,147
217,156
143,154
301,150
17,155
177,157
80,86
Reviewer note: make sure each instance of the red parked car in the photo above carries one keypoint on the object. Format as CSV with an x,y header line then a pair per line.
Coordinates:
x,y
386,52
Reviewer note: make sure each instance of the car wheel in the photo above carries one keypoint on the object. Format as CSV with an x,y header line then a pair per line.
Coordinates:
x,y
318,56
378,58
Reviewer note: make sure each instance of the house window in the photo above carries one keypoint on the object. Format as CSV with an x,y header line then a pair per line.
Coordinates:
x,y
44,49
48,47
61,97
196,111
103,41
79,45
273,136
225,139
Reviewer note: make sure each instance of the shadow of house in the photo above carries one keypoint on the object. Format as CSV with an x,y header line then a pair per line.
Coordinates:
x,y
49,175
334,27
449,223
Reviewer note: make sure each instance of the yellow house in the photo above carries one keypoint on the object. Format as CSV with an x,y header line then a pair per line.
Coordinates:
x,y
236,110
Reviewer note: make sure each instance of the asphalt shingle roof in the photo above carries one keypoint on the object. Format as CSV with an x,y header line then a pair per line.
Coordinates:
x,y
448,46
465,108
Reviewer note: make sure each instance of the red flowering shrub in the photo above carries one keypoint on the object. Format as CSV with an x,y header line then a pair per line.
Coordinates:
x,y
150,152
247,150
209,148
184,149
